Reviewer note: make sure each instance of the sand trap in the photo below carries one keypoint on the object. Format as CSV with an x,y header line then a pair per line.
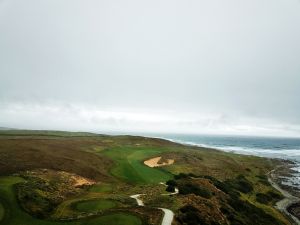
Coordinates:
x,y
79,181
154,162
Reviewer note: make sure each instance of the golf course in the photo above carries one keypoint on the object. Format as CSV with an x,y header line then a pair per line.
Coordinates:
x,y
63,178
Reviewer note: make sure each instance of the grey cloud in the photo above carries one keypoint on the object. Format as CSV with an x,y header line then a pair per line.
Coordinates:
x,y
231,59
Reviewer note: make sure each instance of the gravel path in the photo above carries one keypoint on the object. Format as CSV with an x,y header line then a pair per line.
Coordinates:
x,y
168,214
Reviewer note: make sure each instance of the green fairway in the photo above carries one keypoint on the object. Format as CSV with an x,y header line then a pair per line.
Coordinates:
x,y
117,218
131,168
94,205
101,188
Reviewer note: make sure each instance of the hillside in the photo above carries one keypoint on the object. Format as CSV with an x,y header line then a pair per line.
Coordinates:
x,y
55,177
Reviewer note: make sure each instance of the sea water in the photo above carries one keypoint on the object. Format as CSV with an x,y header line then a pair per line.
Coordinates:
x,y
272,147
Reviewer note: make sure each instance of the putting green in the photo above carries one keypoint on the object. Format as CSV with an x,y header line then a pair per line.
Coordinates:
x,y
117,218
94,205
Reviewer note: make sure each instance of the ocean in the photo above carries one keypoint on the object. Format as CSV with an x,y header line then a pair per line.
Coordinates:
x,y
273,147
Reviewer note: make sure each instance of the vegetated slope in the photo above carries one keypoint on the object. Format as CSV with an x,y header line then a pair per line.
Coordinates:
x,y
207,200
75,152
45,189
64,154
100,157
15,215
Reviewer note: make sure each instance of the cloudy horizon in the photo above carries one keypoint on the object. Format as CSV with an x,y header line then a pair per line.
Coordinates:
x,y
195,67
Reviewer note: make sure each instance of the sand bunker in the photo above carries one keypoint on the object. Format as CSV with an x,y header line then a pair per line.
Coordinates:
x,y
154,162
79,181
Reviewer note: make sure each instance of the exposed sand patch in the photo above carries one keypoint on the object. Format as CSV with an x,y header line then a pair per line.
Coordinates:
x,y
154,162
80,181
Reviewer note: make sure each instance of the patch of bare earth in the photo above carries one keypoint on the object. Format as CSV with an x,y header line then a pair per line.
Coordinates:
x,y
157,162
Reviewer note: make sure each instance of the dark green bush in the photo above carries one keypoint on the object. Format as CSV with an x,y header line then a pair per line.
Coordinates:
x,y
240,183
274,195
250,214
263,198
264,182
190,188
190,216
170,188
262,177
171,182
180,175
268,197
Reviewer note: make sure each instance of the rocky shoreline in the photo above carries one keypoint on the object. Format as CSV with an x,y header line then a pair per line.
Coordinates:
x,y
280,178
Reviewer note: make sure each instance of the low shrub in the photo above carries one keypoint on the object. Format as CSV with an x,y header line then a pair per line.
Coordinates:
x,y
240,183
249,214
190,188
274,195
263,198
268,197
180,176
171,182
190,216
170,188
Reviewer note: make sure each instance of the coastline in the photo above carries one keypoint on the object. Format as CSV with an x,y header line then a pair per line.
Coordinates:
x,y
291,194
288,200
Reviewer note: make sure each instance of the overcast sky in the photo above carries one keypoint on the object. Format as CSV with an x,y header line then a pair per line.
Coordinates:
x,y
193,66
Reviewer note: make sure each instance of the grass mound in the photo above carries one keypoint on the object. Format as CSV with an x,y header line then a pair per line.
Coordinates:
x,y
44,190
